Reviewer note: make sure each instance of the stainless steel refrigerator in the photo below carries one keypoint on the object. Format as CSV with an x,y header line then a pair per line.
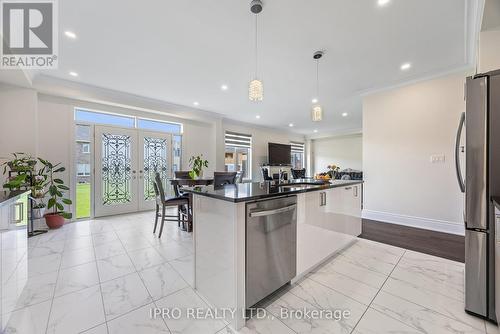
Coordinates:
x,y
480,181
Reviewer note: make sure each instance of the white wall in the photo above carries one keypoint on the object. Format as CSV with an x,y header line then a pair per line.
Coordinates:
x,y
343,151
402,128
18,122
489,51
261,136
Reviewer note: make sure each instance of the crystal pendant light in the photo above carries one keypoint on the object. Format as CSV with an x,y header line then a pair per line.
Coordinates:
x,y
255,87
317,110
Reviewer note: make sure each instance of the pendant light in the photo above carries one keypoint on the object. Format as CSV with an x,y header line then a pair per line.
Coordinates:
x,y
256,88
317,110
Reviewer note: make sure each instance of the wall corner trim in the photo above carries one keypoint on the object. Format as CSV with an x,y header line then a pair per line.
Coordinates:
x,y
418,222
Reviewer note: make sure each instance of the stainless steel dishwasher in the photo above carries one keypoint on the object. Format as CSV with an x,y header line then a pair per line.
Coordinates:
x,y
271,238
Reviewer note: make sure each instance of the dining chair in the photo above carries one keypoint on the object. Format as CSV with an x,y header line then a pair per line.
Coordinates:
x,y
223,178
239,177
299,173
165,202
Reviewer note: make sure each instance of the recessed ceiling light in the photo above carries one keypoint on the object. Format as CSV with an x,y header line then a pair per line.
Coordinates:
x,y
224,87
290,125
382,3
70,34
196,103
257,116
405,66
344,114
315,131
73,74
314,100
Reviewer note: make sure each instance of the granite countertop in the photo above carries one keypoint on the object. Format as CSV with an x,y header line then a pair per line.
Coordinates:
x,y
244,192
8,196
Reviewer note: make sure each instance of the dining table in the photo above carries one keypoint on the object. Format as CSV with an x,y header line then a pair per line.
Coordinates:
x,y
180,182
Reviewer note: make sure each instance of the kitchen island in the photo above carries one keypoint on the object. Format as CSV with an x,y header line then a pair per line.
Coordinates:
x,y
249,234
13,251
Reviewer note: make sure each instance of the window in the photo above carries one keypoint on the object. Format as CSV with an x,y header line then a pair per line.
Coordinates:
x,y
176,153
238,153
103,118
297,155
83,134
160,126
83,169
85,148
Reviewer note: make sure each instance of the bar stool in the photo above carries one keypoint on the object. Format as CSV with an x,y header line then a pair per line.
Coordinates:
x,y
164,202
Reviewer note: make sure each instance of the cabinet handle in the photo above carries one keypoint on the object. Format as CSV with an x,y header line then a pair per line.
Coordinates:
x,y
19,206
321,199
324,198
356,191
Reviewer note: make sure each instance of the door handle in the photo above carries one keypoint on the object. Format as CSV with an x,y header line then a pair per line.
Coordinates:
x,y
264,213
458,169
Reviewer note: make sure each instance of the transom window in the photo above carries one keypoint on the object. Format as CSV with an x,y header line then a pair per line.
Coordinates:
x,y
97,117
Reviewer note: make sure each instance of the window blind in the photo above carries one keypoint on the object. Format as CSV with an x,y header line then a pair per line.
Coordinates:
x,y
297,147
238,139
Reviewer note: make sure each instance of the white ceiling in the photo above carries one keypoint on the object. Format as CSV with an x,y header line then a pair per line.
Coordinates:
x,y
183,51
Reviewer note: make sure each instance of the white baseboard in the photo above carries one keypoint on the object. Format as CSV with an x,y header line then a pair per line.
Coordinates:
x,y
419,222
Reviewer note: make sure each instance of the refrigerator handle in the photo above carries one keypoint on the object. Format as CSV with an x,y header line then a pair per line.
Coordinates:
x,y
461,182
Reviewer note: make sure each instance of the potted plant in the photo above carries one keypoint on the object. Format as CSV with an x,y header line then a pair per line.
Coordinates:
x,y
22,165
22,162
39,210
16,182
56,189
333,170
197,163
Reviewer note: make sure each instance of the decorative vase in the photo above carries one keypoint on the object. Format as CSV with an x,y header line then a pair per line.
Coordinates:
x,y
54,220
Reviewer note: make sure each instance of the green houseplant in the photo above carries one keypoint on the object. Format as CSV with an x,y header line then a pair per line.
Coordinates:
x,y
55,189
24,166
197,163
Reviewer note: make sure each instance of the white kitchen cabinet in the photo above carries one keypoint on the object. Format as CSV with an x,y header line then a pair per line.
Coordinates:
x,y
14,213
342,209
327,221
314,210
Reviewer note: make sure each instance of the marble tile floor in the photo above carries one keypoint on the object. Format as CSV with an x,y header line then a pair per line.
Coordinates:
x,y
104,276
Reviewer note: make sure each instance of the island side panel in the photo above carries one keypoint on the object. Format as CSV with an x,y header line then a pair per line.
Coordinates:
x,y
219,243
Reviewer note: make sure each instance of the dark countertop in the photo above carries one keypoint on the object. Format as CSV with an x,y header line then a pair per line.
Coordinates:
x,y
496,201
8,196
244,192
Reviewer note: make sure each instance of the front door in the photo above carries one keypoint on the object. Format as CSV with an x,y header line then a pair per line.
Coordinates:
x,y
126,161
156,157
115,170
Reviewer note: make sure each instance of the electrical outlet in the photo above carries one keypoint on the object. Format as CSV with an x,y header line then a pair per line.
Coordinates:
x,y
437,158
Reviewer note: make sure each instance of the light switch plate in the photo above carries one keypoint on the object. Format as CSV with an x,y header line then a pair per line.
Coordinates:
x,y
437,158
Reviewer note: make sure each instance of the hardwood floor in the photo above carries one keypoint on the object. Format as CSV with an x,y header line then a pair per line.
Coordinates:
x,y
440,244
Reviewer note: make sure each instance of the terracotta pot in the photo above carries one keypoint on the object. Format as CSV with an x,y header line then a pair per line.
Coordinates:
x,y
54,221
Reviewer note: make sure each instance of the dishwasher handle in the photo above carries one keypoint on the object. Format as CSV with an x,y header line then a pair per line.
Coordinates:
x,y
264,213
